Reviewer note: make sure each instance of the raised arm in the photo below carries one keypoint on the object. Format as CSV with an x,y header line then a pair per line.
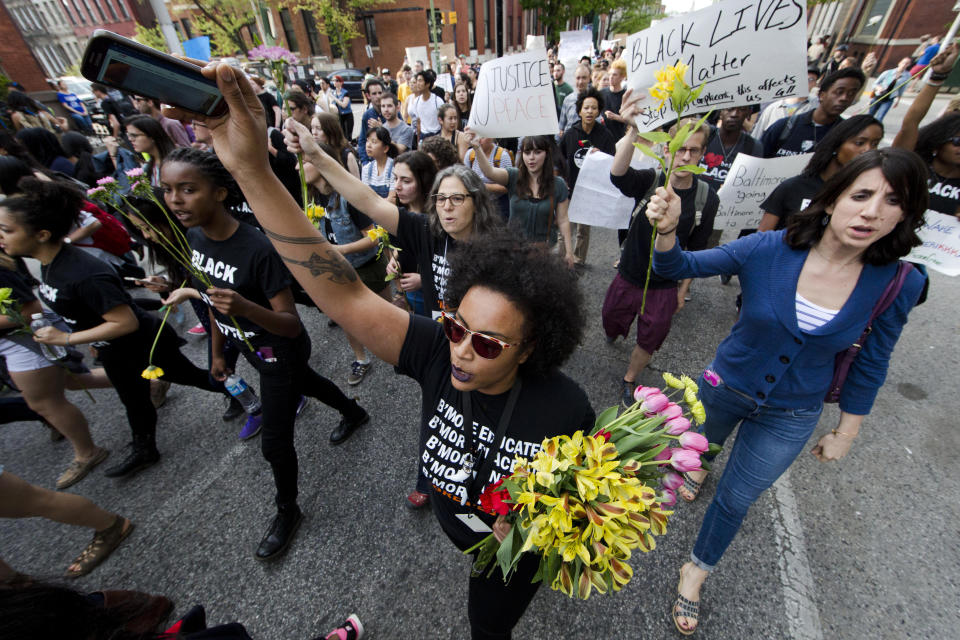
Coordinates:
x,y
326,276
494,174
907,136
629,111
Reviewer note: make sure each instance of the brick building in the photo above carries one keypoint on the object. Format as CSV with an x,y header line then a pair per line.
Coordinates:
x,y
119,16
47,31
17,61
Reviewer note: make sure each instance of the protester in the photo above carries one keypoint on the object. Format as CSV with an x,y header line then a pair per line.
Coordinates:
x,y
463,101
930,51
800,132
833,64
401,133
390,85
441,152
888,89
786,107
116,110
343,105
574,146
371,118
835,260
404,89
535,215
501,159
377,172
25,114
326,129
724,143
561,89
845,142
425,106
148,139
613,97
75,107
816,50
449,117
326,101
46,148
271,108
79,152
173,128
252,289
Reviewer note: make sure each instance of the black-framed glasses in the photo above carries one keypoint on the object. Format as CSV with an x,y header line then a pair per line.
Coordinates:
x,y
955,141
483,345
456,198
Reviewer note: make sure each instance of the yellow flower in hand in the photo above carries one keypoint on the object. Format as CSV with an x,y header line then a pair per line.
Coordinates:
x,y
378,234
152,373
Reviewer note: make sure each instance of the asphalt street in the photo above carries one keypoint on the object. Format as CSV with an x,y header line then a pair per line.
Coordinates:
x,y
858,548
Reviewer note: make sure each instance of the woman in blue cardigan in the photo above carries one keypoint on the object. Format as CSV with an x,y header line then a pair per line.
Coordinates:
x,y
808,292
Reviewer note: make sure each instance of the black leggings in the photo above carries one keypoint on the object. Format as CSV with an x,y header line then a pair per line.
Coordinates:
x,y
495,607
124,359
346,123
281,385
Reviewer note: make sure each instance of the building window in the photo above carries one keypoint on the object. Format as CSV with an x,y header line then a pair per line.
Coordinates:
x,y
287,23
370,29
472,24
487,32
86,4
875,17
103,17
113,13
509,30
335,51
313,34
76,9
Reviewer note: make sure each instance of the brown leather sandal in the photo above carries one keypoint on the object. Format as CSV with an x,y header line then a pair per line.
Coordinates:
x,y
103,544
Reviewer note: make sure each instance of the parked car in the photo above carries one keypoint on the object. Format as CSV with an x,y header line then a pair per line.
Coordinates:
x,y
352,82
81,87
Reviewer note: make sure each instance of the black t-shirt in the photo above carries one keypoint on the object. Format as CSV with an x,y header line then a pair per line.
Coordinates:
x,y
717,159
576,142
20,291
611,102
119,108
269,102
944,194
81,288
791,196
430,251
548,406
247,263
802,138
284,165
692,234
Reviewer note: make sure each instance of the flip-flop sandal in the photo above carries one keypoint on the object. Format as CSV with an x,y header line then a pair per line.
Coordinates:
x,y
690,485
682,607
103,544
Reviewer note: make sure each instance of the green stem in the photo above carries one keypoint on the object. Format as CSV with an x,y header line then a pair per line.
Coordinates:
x,y
653,236
160,330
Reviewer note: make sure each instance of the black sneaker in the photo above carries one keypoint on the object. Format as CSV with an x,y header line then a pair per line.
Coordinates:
x,y
626,393
348,425
280,534
358,371
234,410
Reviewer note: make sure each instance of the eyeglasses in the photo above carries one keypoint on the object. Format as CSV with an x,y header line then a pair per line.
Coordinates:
x,y
456,198
485,346
955,141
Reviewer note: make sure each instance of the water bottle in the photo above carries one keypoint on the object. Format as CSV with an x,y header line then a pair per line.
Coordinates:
x,y
52,352
244,395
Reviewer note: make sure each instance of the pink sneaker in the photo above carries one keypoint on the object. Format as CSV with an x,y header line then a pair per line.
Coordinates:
x,y
197,330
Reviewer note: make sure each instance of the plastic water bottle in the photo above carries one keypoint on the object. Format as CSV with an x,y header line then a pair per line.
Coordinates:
x,y
243,393
52,352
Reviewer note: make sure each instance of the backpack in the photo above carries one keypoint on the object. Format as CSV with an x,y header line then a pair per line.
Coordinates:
x,y
699,200
112,237
497,155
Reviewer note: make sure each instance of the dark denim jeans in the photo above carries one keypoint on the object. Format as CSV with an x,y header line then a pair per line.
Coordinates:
x,y
768,441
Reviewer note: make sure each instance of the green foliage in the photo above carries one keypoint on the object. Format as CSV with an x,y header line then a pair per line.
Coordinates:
x,y
4,86
151,37
223,21
338,20
554,14
636,17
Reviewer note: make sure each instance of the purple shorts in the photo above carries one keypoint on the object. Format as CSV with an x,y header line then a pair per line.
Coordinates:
x,y
622,305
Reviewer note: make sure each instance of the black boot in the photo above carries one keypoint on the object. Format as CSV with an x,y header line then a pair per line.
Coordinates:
x,y
280,534
144,454
349,422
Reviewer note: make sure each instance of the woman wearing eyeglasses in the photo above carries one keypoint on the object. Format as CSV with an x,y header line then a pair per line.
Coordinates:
x,y
514,317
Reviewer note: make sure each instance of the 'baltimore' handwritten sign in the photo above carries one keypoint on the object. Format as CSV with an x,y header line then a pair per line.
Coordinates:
x,y
746,51
941,243
748,183
515,97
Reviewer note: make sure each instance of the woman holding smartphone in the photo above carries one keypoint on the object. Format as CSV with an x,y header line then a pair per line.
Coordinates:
x,y
252,285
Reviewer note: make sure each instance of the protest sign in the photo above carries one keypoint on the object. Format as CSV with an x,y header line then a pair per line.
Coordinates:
x,y
745,51
573,46
418,54
595,200
445,82
514,97
535,42
748,183
941,243
608,44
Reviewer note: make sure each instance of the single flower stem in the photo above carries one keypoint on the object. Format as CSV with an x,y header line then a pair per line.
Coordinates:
x,y
160,330
653,236
479,544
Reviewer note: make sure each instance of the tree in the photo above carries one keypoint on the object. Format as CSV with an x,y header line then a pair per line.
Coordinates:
x,y
636,17
151,37
338,19
554,14
224,21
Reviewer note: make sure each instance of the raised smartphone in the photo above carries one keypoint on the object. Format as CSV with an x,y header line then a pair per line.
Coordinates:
x,y
127,65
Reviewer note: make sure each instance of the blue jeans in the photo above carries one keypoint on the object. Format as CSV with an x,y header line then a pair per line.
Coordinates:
x,y
84,123
879,110
769,440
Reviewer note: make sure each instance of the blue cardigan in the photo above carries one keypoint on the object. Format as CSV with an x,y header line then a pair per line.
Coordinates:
x,y
767,356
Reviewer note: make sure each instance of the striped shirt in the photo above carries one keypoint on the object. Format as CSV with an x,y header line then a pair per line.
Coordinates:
x,y
379,182
812,316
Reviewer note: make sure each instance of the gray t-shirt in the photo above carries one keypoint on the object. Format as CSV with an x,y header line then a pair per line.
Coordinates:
x,y
533,216
401,134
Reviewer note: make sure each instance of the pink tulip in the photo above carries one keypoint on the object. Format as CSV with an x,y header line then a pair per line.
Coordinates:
x,y
711,378
663,455
640,393
693,440
672,410
667,497
671,480
684,460
655,403
676,426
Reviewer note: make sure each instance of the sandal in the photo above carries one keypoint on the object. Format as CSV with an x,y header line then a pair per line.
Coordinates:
x,y
682,607
417,500
103,544
690,485
79,469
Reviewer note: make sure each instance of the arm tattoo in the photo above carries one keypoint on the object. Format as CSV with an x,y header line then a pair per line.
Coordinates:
x,y
334,265
318,239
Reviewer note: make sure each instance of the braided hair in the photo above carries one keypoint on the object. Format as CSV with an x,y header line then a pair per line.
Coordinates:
x,y
210,166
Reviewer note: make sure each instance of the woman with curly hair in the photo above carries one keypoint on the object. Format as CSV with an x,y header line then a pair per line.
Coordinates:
x,y
513,316
443,153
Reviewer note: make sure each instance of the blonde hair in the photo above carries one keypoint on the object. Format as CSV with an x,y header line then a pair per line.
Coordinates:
x,y
620,65
703,130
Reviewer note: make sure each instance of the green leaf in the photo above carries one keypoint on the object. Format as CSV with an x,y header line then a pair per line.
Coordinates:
x,y
696,92
704,465
679,139
701,122
692,168
652,453
605,418
714,449
390,276
505,554
656,137
648,151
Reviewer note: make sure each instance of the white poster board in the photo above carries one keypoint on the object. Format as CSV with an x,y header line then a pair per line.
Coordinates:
x,y
745,51
573,46
748,183
595,200
941,243
445,82
535,42
608,44
515,97
418,54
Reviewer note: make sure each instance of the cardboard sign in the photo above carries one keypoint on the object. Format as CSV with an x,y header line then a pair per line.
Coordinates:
x,y
418,54
595,200
744,51
573,46
535,42
514,97
445,82
608,44
941,243
748,183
